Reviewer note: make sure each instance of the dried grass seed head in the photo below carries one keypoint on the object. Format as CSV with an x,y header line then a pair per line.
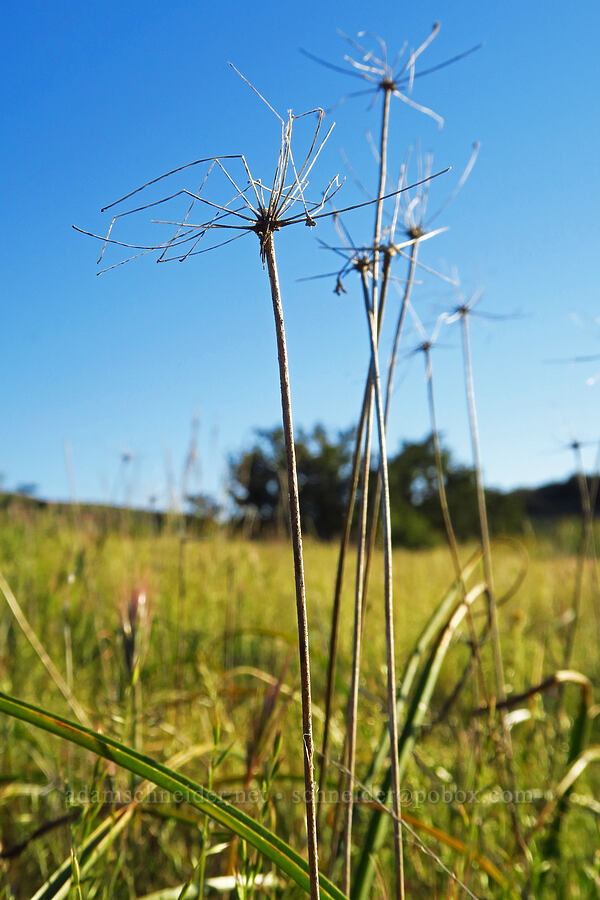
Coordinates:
x,y
409,207
412,207
256,207
354,255
396,77
427,341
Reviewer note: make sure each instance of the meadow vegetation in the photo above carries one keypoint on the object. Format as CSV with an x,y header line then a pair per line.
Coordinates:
x,y
167,709
213,651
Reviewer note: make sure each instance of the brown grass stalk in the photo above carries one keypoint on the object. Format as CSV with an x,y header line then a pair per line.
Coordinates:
x,y
344,543
464,311
296,533
366,411
352,716
389,602
585,545
449,528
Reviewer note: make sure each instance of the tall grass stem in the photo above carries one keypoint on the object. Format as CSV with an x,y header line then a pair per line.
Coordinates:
x,y
482,510
372,530
389,601
344,542
296,532
357,643
488,573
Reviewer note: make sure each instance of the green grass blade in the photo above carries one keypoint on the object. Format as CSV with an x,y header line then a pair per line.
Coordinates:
x,y
40,650
266,842
578,739
577,768
417,709
428,634
57,887
59,884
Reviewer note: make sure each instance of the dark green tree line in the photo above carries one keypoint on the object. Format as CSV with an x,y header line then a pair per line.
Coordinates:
x,y
258,488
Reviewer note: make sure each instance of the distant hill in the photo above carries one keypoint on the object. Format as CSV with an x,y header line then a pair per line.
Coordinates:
x,y
544,505
102,517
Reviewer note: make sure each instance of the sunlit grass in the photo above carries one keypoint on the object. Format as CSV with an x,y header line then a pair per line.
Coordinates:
x,y
230,655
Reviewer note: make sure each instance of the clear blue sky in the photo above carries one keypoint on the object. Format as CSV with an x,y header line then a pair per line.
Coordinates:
x,y
99,97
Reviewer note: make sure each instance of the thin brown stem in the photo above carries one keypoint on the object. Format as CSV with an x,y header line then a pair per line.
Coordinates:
x,y
366,414
337,596
286,407
564,676
451,536
449,528
365,545
594,486
372,531
389,602
383,147
357,646
378,303
366,542
414,252
586,537
483,520
344,542
488,572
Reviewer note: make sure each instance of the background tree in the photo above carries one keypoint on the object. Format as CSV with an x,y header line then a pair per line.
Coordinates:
x,y
258,488
258,482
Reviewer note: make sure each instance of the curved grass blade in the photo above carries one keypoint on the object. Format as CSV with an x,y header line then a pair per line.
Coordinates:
x,y
577,761
431,629
579,737
266,842
58,886
37,645
437,621
592,754
419,705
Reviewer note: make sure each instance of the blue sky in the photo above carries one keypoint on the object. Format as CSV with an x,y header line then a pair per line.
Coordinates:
x,y
100,97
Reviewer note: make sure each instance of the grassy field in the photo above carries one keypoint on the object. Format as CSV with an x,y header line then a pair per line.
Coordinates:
x,y
189,647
